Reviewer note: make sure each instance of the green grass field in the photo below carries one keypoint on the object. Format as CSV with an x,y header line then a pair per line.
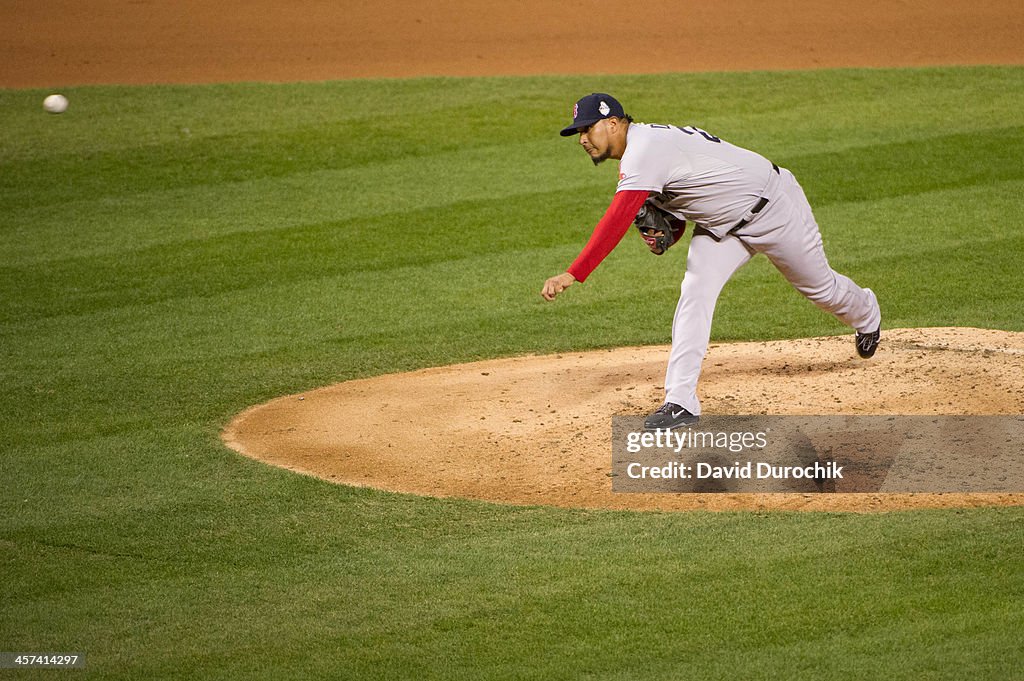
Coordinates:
x,y
171,255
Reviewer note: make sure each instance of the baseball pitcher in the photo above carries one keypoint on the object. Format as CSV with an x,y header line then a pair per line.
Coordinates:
x,y
739,204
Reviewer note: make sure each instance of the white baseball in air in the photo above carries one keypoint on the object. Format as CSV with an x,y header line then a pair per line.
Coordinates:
x,y
56,104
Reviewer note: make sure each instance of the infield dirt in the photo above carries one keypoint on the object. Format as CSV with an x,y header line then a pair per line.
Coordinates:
x,y
68,42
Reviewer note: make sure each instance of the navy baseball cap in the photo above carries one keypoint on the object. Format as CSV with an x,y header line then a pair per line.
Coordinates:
x,y
591,109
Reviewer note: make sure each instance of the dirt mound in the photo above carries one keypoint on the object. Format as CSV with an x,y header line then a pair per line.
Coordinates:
x,y
537,429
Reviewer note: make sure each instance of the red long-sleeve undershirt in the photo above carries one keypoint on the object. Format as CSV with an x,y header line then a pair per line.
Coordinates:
x,y
608,232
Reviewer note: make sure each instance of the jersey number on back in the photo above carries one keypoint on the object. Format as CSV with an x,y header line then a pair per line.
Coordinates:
x,y
691,130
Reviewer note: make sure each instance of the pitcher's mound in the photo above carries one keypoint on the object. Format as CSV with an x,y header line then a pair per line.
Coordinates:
x,y
537,430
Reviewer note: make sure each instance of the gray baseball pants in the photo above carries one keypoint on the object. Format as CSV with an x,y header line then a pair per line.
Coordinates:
x,y
787,233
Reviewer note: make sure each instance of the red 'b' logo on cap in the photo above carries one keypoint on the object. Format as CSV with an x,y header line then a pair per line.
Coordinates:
x,y
575,109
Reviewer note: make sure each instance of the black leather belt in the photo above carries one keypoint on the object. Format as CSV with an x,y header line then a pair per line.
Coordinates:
x,y
758,207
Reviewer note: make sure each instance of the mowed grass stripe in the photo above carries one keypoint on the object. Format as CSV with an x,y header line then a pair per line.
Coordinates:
x,y
127,118
394,188
962,160
416,238
198,159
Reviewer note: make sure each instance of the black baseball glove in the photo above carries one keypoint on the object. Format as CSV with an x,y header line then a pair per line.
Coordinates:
x,y
658,228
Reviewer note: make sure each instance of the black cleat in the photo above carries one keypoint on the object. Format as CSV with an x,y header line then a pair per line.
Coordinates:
x,y
867,343
669,416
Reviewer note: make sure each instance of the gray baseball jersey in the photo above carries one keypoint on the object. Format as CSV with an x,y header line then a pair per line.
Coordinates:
x,y
700,177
